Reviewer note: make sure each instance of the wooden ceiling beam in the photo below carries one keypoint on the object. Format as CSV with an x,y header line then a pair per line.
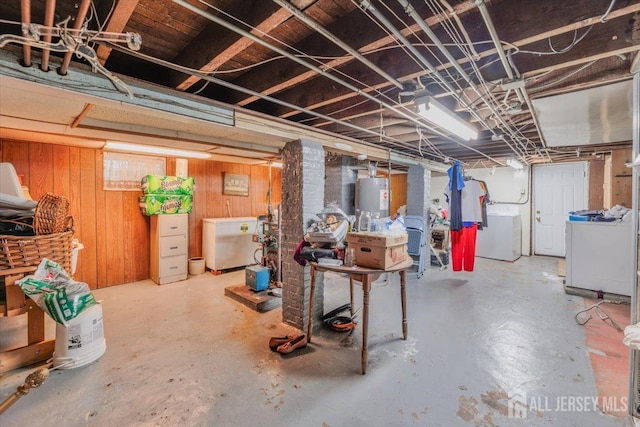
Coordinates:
x,y
118,21
215,45
355,27
407,70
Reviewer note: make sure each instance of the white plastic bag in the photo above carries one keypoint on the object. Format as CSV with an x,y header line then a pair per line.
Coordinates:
x,y
57,294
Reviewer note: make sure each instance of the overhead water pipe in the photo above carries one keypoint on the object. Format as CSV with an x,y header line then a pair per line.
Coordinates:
x,y
427,30
521,92
367,6
25,11
314,25
204,76
321,72
49,14
82,13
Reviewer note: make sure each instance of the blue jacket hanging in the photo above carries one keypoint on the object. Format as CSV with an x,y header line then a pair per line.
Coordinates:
x,y
456,184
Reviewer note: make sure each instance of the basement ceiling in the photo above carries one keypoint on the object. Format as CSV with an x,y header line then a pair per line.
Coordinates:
x,y
347,68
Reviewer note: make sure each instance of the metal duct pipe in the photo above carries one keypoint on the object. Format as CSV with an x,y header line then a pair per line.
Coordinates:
x,y
335,40
49,13
321,72
25,10
82,13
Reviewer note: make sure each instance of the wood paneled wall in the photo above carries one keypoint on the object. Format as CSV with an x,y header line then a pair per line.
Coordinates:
x,y
621,193
398,184
109,224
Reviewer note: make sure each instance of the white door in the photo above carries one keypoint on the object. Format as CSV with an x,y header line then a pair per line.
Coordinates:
x,y
557,190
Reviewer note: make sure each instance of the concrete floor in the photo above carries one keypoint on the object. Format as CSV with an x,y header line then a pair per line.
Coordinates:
x,y
184,354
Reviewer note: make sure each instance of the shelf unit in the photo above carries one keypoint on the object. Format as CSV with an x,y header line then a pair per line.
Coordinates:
x,y
169,244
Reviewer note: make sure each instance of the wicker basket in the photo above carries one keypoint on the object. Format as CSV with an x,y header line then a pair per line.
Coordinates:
x,y
51,215
28,251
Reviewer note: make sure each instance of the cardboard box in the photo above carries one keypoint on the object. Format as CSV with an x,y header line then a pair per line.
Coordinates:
x,y
378,250
173,185
160,204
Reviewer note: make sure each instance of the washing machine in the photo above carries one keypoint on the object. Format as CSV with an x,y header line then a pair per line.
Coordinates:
x,y
501,239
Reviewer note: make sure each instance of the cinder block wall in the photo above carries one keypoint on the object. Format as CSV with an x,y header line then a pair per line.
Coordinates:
x,y
418,191
303,180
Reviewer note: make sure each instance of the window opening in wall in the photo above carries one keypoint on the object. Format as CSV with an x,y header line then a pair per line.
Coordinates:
x,y
124,172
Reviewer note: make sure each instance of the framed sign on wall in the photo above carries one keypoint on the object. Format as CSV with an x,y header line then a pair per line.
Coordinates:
x,y
235,184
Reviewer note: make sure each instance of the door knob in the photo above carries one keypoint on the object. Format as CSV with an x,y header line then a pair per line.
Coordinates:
x,y
538,218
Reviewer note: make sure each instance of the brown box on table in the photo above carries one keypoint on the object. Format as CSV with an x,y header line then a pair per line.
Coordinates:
x,y
378,250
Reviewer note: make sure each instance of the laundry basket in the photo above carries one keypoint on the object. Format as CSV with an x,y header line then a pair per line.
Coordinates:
x,y
28,251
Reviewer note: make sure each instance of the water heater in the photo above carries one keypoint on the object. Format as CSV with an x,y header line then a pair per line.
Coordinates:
x,y
372,195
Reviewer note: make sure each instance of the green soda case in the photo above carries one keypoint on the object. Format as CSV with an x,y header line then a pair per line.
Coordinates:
x,y
161,204
158,184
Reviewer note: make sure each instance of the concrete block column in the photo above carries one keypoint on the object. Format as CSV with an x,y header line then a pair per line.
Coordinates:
x,y
303,178
418,191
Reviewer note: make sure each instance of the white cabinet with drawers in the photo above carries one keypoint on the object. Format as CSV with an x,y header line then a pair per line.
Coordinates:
x,y
169,245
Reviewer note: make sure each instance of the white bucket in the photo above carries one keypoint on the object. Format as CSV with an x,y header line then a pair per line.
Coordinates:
x,y
81,341
77,247
196,266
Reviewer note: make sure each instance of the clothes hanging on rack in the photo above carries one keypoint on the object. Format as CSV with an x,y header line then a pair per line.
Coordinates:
x,y
453,195
463,239
485,201
463,248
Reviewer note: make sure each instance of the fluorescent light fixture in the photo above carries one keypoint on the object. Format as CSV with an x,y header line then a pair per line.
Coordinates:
x,y
439,115
150,149
276,164
514,163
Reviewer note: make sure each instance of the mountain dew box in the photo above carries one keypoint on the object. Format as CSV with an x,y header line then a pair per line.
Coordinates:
x,y
161,204
158,184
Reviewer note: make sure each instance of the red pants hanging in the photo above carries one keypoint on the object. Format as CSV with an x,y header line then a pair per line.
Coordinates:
x,y
463,248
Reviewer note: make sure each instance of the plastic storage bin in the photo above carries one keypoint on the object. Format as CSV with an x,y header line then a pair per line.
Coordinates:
x,y
578,217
